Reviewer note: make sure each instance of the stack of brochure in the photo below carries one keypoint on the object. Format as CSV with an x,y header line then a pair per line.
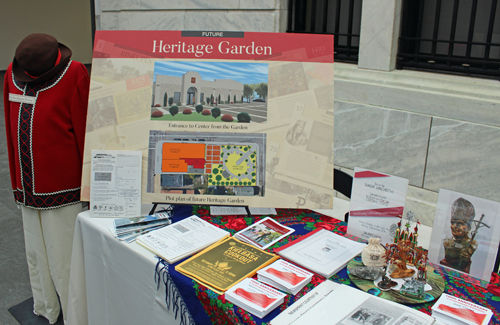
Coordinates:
x,y
255,297
452,310
264,233
182,239
128,229
285,276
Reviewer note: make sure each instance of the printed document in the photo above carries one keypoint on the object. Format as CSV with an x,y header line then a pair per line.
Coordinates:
x,y
115,189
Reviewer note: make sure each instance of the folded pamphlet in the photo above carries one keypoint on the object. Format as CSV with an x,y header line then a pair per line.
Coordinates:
x,y
128,229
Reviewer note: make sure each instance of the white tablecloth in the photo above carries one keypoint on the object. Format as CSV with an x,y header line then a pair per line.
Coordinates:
x,y
112,282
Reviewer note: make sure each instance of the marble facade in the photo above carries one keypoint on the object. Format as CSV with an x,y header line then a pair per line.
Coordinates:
x,y
385,127
226,15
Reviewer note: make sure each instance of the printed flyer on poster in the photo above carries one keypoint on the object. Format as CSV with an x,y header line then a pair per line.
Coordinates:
x,y
377,202
116,183
221,118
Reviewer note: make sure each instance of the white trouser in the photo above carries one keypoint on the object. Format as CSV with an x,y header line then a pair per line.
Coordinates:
x,y
48,235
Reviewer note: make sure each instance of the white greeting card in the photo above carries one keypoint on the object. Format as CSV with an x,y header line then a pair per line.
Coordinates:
x,y
377,201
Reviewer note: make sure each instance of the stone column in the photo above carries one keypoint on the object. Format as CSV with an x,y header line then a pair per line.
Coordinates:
x,y
378,44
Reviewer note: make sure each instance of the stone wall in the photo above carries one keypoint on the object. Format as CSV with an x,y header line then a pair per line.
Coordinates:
x,y
223,15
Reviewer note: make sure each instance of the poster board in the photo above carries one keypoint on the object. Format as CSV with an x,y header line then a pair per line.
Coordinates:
x,y
282,158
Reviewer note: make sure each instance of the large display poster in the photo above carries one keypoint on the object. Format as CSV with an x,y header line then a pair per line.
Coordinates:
x,y
221,118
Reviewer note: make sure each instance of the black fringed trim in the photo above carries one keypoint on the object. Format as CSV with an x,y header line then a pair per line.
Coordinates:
x,y
172,295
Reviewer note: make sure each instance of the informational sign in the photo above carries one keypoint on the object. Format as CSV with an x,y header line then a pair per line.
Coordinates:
x,y
377,203
116,183
221,118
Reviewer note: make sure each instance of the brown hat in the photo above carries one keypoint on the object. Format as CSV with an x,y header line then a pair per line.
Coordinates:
x,y
39,57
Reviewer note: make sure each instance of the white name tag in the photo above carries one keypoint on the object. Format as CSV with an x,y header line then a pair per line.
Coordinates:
x,y
22,99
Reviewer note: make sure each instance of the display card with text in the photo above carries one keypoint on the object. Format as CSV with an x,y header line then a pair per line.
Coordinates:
x,y
221,118
377,202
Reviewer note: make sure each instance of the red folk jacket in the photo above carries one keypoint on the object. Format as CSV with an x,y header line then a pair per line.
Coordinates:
x,y
45,136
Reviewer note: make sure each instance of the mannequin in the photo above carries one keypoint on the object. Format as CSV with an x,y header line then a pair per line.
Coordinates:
x,y
45,101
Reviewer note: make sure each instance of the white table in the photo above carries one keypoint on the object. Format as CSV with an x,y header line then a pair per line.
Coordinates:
x,y
112,282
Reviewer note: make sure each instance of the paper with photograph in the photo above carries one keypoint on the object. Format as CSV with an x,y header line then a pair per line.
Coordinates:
x,y
466,234
264,233
377,202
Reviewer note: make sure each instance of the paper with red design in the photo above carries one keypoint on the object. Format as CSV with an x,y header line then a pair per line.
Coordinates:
x,y
255,297
264,233
377,201
452,310
285,276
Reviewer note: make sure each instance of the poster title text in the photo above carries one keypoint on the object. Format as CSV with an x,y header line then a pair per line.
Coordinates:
x,y
224,47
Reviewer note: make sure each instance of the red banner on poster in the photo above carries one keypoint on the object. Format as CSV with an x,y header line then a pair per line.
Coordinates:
x,y
213,45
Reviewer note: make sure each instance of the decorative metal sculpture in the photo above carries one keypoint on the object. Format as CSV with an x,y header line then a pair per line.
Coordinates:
x,y
386,283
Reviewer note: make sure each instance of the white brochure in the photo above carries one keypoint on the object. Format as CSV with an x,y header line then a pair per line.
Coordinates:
x,y
115,189
181,239
377,202
321,251
333,303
